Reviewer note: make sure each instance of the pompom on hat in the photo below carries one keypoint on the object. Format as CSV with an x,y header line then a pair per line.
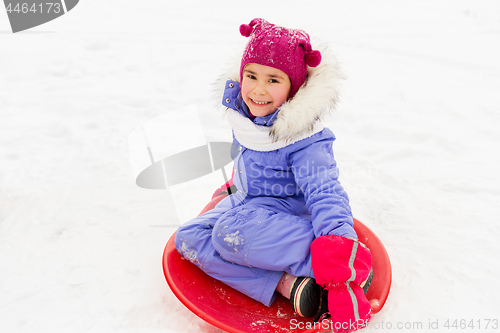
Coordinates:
x,y
288,50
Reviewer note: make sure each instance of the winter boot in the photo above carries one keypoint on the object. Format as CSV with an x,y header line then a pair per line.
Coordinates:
x,y
366,284
305,296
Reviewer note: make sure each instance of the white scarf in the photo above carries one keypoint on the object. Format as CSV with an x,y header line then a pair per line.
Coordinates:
x,y
258,137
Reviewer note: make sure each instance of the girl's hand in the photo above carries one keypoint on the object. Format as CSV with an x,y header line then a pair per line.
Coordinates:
x,y
340,265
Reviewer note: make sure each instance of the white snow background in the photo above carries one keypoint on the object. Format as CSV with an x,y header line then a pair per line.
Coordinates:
x,y
417,145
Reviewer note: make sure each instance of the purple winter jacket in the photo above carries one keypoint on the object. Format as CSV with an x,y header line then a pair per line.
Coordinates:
x,y
303,173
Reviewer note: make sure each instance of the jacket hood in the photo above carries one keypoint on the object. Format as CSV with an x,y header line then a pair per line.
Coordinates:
x,y
316,98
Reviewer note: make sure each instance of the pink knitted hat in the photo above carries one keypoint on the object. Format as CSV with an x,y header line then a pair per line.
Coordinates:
x,y
288,50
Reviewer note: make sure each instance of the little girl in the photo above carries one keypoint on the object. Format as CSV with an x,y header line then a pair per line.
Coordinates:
x,y
289,226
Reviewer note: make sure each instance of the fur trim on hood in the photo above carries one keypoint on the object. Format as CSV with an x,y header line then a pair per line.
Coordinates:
x,y
316,98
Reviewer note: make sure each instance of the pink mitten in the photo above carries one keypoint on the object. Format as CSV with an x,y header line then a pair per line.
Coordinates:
x,y
340,265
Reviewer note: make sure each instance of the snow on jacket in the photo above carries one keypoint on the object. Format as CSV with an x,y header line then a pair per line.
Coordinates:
x,y
288,154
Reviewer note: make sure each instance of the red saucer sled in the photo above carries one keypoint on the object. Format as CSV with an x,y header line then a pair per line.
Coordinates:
x,y
233,312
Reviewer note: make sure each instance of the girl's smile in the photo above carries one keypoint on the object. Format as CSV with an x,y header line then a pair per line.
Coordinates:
x,y
264,89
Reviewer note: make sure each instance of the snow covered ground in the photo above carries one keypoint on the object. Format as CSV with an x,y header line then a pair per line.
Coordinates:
x,y
417,145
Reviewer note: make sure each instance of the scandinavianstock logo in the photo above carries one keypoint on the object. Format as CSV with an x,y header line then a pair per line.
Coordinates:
x,y
26,14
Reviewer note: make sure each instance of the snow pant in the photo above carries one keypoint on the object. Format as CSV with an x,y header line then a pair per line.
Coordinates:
x,y
248,243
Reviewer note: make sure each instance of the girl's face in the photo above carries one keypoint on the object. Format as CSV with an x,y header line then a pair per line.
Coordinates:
x,y
264,89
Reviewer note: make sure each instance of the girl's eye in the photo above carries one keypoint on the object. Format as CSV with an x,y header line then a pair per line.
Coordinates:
x,y
252,77
273,81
